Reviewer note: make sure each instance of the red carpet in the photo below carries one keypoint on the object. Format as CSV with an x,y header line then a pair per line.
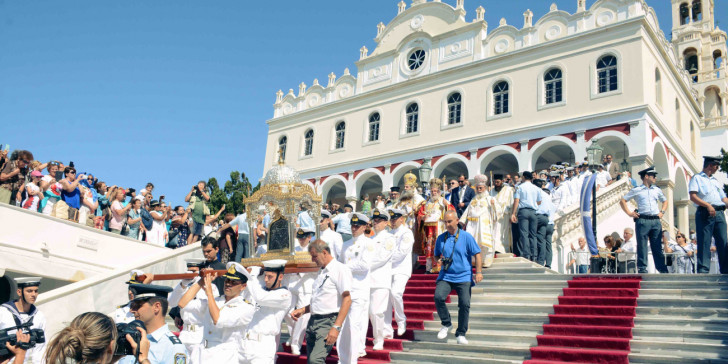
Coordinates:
x,y
419,307
591,324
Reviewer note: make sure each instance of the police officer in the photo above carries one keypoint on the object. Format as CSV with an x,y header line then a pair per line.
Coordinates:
x,y
328,235
17,312
648,198
357,256
272,302
381,275
525,203
123,314
710,199
401,272
224,321
192,329
150,306
546,212
300,285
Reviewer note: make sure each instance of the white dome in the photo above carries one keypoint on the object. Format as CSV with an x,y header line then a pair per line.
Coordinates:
x,y
281,174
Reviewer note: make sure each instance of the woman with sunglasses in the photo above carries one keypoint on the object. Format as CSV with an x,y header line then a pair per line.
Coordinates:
x,y
33,193
683,260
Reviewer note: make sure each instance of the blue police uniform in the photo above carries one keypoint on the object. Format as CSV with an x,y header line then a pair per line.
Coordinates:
x,y
710,190
648,226
165,348
529,196
545,214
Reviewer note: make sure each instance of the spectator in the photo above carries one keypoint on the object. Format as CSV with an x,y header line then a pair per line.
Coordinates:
x,y
453,184
603,178
366,205
632,181
227,239
581,257
89,201
51,188
180,226
13,175
260,237
241,247
33,192
70,193
147,189
304,219
630,244
458,276
134,220
118,210
516,180
158,233
379,204
461,195
198,198
103,211
682,262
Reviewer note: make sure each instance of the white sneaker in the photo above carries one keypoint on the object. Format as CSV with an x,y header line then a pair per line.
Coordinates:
x,y
295,350
378,346
462,340
362,354
443,332
401,329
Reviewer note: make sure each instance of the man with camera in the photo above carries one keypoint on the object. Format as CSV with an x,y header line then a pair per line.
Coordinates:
x,y
150,307
20,311
455,248
225,317
198,199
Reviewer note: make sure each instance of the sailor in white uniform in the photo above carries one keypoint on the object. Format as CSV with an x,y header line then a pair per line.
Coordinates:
x,y
17,312
301,286
272,301
401,272
380,275
225,317
357,254
328,235
192,329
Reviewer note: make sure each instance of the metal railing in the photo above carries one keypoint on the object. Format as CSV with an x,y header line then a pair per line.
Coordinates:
x,y
682,263
624,262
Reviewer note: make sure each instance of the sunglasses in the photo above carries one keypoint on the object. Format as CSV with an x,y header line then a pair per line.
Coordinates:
x,y
137,304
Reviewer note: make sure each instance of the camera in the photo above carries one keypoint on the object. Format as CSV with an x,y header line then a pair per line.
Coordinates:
x,y
122,345
446,263
37,336
130,191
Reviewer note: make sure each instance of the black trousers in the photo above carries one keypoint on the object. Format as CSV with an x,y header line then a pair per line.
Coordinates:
x,y
442,291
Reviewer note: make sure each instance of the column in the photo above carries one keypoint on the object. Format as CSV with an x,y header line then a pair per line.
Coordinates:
x,y
524,158
580,146
351,196
683,215
387,181
473,167
667,187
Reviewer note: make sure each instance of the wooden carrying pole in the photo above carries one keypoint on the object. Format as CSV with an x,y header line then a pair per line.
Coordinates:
x,y
175,276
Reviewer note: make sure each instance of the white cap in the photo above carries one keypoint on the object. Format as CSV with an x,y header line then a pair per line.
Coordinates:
x,y
380,213
274,265
27,281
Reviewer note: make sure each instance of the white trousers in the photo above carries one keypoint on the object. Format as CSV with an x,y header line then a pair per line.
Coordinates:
x,y
354,331
399,281
378,302
259,352
297,329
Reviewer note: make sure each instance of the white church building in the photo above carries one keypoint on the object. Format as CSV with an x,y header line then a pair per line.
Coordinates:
x,y
468,97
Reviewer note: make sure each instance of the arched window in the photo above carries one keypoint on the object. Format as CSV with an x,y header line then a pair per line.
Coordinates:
x,y
500,98
454,108
678,118
684,13
607,74
413,117
553,82
374,127
308,142
340,133
282,143
717,62
691,63
658,87
697,11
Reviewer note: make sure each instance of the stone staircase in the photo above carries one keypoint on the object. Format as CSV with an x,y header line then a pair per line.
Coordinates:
x,y
680,318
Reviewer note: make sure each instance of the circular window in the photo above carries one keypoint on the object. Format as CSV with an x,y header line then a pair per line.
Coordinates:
x,y
416,59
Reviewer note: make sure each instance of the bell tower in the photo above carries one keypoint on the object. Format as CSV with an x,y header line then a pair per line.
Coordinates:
x,y
701,49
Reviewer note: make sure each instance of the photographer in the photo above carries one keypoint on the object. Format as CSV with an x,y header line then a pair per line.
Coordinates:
x,y
13,175
198,199
91,338
20,311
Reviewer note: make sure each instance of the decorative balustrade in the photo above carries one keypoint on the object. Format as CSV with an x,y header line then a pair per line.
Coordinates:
x,y
715,122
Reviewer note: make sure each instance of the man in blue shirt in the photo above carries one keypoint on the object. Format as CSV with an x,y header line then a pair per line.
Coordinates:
x,y
647,217
459,246
525,203
545,214
710,199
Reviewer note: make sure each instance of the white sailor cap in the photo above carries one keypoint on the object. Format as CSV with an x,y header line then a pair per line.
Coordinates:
x,y
359,219
23,282
396,213
303,232
133,276
325,213
274,265
380,214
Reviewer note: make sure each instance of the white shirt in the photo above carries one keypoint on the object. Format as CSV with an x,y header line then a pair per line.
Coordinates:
x,y
123,315
381,268
241,221
603,178
561,197
582,256
357,254
36,354
331,282
235,315
334,240
630,246
271,306
402,255
343,223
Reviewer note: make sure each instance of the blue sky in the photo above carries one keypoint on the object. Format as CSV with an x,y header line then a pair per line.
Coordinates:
x,y
177,91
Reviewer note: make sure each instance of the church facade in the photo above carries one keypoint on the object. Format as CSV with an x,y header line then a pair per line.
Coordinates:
x,y
467,98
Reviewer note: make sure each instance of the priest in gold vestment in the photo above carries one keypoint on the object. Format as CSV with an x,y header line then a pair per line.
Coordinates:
x,y
479,217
